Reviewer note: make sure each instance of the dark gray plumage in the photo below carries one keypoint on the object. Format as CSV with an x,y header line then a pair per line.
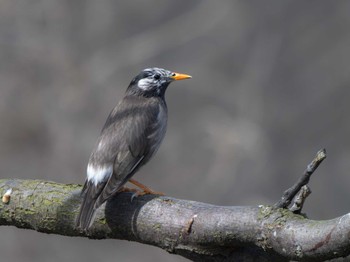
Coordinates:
x,y
130,137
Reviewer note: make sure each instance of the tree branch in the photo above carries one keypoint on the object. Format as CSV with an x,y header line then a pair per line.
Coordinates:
x,y
299,199
198,231
291,192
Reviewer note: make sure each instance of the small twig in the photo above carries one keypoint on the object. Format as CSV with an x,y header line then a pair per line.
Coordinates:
x,y
290,193
299,199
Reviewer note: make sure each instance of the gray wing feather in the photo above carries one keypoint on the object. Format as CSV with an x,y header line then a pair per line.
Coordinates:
x,y
125,144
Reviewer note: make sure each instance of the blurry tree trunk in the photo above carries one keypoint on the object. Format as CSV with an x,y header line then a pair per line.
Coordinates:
x,y
194,230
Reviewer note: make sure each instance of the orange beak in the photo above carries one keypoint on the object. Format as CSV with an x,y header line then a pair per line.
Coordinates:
x,y
178,76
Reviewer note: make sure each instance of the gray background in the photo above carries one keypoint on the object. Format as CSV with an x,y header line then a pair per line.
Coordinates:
x,y
270,87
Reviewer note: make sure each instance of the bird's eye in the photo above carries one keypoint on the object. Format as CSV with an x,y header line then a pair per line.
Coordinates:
x,y
157,76
173,74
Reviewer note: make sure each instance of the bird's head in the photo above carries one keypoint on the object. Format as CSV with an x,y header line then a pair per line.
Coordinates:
x,y
153,82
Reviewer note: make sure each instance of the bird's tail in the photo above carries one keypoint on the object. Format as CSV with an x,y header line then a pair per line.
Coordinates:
x,y
87,208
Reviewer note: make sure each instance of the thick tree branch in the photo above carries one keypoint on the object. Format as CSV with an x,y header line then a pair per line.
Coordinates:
x,y
198,231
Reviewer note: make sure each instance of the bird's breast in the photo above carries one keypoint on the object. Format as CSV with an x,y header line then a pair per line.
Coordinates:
x,y
158,128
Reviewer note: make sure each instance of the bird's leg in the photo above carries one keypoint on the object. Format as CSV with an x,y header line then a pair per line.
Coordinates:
x,y
127,189
145,190
136,193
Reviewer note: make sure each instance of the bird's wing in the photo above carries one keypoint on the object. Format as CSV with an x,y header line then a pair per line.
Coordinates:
x,y
133,143
123,146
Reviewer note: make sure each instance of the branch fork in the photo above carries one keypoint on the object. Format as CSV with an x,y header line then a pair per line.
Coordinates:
x,y
297,194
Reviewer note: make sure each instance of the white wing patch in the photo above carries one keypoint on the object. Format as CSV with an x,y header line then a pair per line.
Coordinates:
x,y
98,174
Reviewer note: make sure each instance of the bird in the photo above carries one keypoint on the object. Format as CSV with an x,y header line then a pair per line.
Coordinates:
x,y
129,138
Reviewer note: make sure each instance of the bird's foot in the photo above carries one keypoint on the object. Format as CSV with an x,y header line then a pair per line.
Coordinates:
x,y
138,193
144,190
127,189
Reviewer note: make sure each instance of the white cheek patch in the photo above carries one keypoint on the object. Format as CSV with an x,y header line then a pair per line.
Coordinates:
x,y
145,84
98,174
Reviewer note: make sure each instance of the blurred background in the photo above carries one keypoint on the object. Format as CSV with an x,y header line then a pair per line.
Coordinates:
x,y
270,87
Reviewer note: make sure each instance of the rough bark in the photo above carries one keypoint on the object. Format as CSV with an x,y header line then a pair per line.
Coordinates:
x,y
198,231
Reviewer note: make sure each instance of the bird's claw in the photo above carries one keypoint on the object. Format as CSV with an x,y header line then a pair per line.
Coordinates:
x,y
145,192
133,196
